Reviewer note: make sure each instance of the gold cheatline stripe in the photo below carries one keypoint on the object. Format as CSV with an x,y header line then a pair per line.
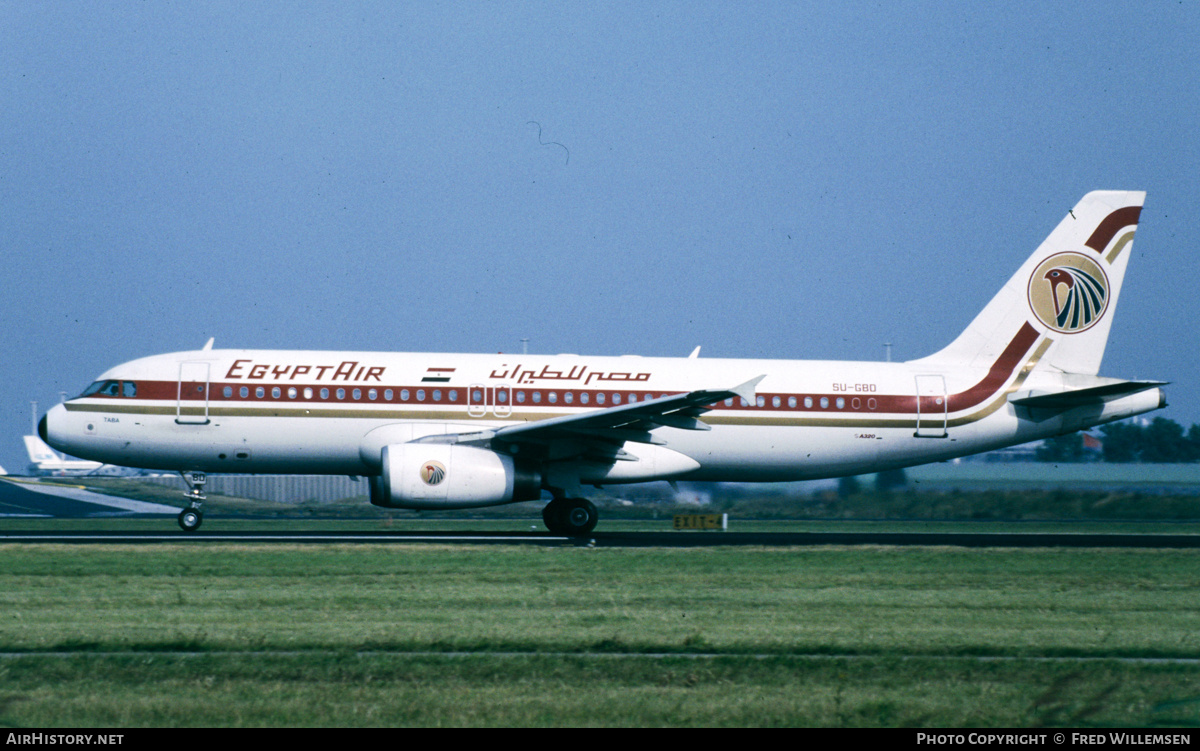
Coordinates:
x,y
712,419
1116,251
1002,399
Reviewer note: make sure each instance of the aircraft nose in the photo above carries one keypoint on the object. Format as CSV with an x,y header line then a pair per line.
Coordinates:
x,y
42,428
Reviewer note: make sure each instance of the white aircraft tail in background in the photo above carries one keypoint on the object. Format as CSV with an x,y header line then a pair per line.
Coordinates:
x,y
445,430
43,461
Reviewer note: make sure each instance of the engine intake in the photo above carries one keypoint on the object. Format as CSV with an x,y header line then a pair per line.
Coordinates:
x,y
438,475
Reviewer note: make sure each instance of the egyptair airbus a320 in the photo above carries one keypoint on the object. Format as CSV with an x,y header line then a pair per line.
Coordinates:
x,y
437,431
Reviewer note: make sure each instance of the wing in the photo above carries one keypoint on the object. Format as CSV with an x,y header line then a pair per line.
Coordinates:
x,y
607,427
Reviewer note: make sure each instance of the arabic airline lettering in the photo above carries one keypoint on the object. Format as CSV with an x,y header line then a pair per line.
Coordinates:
x,y
461,430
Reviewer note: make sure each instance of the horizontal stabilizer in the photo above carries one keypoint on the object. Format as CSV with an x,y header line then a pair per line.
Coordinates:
x,y
1080,397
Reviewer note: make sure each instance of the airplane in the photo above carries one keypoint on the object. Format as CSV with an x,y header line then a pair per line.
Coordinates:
x,y
450,431
43,461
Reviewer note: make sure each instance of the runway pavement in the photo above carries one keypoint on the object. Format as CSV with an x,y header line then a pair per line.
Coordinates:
x,y
30,499
624,539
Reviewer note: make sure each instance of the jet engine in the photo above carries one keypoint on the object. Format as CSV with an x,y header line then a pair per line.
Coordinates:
x,y
438,476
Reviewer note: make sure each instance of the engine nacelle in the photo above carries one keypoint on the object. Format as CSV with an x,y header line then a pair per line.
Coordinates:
x,y
439,475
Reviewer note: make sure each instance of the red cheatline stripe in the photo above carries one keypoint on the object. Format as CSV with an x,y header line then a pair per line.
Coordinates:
x,y
1111,224
1000,372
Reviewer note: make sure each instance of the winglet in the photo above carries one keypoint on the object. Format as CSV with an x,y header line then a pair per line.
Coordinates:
x,y
747,389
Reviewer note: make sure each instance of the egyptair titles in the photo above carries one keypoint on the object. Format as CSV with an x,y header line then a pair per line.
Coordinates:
x,y
576,373
348,370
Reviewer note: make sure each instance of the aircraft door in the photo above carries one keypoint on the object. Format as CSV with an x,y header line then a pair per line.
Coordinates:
x,y
193,390
503,401
477,400
931,406
483,399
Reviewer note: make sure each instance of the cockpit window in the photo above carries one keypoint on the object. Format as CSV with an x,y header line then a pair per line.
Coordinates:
x,y
103,388
111,388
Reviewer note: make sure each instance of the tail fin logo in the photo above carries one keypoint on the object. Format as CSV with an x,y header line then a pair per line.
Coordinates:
x,y
1068,292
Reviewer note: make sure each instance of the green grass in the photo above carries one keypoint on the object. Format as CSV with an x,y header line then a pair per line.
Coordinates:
x,y
257,635
488,690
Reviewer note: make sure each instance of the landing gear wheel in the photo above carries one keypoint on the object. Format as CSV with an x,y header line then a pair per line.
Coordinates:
x,y
550,513
570,516
190,519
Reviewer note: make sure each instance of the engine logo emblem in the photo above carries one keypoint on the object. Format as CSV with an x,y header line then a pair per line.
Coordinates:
x,y
433,473
1068,292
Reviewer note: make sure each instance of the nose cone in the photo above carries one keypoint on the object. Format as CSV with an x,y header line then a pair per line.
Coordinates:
x,y
50,427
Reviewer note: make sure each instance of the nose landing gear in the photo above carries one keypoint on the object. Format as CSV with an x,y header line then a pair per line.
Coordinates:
x,y
191,517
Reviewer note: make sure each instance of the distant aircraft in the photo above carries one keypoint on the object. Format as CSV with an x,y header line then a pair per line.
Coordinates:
x,y
438,431
43,461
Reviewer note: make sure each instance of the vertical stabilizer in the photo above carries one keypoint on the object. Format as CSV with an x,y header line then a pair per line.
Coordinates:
x,y
39,452
1065,293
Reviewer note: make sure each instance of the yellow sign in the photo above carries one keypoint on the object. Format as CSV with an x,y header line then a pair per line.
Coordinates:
x,y
701,521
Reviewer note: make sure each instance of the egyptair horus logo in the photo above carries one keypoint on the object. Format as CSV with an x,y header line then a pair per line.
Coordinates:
x,y
433,473
1068,292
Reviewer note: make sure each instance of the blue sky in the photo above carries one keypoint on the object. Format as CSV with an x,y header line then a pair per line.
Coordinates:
x,y
793,180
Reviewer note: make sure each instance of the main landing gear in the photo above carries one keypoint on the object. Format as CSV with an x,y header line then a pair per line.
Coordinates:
x,y
570,516
191,517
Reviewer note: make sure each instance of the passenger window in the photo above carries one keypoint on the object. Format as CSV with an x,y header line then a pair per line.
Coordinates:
x,y
228,392
403,395
387,394
520,397
420,395
341,393
437,395
324,393
372,394
454,396
616,398
583,398
260,392
553,397
357,394
275,392
292,392
775,402
537,397
244,392
824,402
600,398
568,397
808,402
792,402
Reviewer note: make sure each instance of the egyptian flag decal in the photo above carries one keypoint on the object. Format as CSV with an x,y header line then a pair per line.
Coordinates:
x,y
438,375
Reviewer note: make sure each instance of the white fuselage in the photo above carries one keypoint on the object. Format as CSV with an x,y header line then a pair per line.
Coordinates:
x,y
263,411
